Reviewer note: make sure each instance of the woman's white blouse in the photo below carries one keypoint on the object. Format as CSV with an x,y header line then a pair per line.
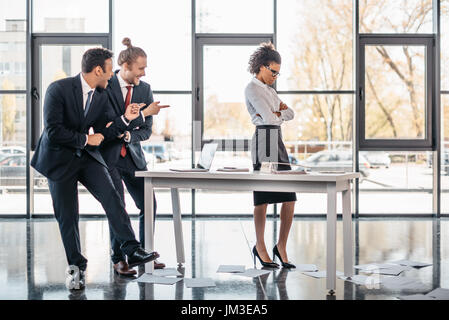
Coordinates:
x,y
263,100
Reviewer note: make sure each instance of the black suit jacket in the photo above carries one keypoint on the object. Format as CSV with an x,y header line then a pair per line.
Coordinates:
x,y
65,127
140,130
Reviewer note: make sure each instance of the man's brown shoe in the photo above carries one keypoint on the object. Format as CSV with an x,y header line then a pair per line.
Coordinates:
x,y
123,269
158,265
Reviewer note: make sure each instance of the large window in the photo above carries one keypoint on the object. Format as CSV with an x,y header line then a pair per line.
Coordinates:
x,y
320,137
163,30
398,16
55,16
225,113
395,92
13,154
234,16
169,73
12,45
12,107
315,40
445,45
445,153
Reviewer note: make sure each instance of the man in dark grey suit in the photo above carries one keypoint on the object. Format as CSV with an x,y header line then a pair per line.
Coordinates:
x,y
67,153
124,155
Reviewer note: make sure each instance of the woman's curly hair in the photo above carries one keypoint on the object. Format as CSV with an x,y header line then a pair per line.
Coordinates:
x,y
263,56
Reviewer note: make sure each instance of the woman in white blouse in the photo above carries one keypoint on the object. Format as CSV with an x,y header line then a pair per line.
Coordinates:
x,y
267,113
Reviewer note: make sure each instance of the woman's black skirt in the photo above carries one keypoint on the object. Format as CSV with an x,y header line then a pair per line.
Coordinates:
x,y
261,152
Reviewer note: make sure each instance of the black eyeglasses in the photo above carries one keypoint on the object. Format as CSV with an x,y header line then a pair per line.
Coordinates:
x,y
274,73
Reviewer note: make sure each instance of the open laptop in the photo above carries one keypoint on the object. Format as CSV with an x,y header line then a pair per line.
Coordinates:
x,y
206,158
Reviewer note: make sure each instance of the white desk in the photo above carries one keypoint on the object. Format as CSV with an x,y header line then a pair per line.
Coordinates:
x,y
310,183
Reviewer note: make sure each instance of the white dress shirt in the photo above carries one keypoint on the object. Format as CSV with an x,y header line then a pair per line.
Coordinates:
x,y
263,100
86,89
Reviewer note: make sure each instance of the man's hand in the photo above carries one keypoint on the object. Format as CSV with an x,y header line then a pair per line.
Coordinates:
x,y
127,137
283,106
95,139
132,111
153,109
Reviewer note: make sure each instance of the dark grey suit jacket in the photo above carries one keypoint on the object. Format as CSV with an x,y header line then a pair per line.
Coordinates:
x,y
140,130
65,127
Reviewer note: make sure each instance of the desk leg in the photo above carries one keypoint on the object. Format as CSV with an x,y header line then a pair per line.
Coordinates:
x,y
331,237
177,222
149,222
348,244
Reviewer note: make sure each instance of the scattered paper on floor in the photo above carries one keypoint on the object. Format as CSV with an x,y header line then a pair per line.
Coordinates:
x,y
321,274
167,272
252,273
149,278
413,264
363,280
199,282
306,268
231,269
393,270
439,294
416,297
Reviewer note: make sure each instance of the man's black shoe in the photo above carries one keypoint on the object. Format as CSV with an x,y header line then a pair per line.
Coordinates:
x,y
140,256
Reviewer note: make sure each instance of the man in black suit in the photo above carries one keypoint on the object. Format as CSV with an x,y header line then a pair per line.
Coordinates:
x,y
124,155
67,153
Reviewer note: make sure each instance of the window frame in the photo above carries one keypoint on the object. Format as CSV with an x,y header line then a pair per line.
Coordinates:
x,y
425,144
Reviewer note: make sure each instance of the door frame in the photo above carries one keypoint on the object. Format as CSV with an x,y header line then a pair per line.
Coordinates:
x,y
201,40
37,41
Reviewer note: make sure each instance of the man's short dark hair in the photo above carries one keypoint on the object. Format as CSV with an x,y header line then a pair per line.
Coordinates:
x,y
95,57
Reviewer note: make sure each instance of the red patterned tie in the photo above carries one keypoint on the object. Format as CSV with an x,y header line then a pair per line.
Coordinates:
x,y
127,101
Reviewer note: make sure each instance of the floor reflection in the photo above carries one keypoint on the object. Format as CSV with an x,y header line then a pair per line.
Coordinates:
x,y
32,260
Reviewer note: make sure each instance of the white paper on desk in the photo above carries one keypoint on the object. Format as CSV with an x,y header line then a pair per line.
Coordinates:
x,y
252,273
362,279
439,294
149,278
199,282
233,169
167,272
231,269
288,172
321,274
416,297
413,264
332,172
305,268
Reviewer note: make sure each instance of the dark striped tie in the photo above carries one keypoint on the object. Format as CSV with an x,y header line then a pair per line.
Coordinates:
x,y
88,102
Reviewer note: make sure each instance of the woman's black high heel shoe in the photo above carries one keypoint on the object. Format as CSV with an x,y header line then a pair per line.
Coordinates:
x,y
284,264
264,264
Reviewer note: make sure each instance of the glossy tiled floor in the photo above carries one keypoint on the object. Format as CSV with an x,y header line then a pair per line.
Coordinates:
x,y
32,260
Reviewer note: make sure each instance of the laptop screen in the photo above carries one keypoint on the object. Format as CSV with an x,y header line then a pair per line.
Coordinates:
x,y
207,155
